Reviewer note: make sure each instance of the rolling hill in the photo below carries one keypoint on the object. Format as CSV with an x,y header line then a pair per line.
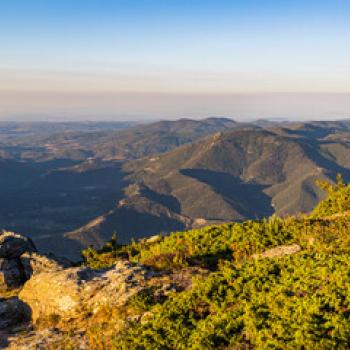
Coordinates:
x,y
56,177
244,173
68,187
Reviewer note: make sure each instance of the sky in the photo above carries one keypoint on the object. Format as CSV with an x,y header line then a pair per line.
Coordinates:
x,y
150,59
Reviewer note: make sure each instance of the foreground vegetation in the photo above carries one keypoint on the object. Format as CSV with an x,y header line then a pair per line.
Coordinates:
x,y
299,301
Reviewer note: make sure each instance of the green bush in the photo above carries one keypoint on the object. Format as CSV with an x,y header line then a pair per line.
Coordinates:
x,y
296,302
299,301
337,201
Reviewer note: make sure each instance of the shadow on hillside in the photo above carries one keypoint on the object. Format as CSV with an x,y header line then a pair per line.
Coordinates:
x,y
311,132
127,222
58,201
131,223
247,198
312,150
167,201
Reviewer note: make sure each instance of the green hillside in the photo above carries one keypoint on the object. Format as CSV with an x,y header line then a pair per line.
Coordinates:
x,y
253,297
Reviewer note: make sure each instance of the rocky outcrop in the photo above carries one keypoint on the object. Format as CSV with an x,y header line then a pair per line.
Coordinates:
x,y
13,245
12,312
19,261
72,292
11,274
34,263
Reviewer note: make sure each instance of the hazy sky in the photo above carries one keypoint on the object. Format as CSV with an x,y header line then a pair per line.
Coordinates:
x,y
62,59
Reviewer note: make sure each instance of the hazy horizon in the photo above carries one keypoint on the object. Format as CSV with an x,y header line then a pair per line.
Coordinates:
x,y
103,59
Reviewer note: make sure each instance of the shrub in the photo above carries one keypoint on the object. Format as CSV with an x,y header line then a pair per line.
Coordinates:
x,y
299,301
337,201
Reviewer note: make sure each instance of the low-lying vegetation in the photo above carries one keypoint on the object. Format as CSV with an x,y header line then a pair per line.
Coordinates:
x,y
298,301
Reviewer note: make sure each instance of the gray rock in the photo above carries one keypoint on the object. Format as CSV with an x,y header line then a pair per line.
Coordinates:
x,y
11,274
19,261
48,338
278,251
34,263
12,312
13,245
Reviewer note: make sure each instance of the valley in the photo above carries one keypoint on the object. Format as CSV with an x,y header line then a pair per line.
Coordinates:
x,y
68,186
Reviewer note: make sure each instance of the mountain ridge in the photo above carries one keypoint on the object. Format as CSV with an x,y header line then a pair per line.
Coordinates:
x,y
220,171
235,175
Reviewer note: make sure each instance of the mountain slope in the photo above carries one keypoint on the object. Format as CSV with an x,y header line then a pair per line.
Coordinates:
x,y
56,177
157,137
274,283
82,184
235,175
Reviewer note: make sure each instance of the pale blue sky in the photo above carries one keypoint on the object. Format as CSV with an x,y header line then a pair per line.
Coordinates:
x,y
171,58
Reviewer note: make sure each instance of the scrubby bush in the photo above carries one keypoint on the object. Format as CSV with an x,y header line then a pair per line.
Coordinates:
x,y
337,201
295,302
299,301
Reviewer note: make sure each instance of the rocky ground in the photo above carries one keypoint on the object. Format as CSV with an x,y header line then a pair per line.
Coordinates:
x,y
47,303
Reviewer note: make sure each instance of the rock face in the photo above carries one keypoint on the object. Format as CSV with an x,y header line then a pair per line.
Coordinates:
x,y
19,261
12,312
73,291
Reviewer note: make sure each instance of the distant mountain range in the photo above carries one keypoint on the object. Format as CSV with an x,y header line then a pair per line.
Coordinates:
x,y
74,188
116,141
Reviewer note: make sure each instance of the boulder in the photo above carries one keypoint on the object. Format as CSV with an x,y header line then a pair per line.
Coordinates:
x,y
153,239
13,245
71,292
11,274
34,263
278,251
19,261
12,312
